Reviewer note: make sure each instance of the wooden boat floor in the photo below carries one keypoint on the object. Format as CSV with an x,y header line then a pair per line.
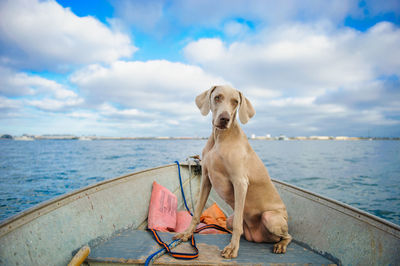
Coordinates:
x,y
134,246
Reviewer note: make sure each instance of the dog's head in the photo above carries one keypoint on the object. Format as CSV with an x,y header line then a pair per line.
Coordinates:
x,y
224,102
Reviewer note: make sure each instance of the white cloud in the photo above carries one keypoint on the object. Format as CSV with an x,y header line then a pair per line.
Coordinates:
x,y
374,117
262,92
210,50
156,86
44,35
163,18
53,104
158,14
236,29
83,115
9,106
287,102
311,75
212,13
302,60
109,110
22,84
14,84
37,91
125,98
380,46
294,59
151,98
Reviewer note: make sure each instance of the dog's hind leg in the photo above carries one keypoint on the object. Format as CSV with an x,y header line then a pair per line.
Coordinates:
x,y
276,223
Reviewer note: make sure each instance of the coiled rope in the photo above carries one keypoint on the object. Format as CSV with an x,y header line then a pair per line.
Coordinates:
x,y
166,248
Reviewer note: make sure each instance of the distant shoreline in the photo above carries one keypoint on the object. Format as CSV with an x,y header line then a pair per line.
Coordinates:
x,y
27,137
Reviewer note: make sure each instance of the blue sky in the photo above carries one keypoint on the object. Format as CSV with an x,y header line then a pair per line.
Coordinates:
x,y
133,68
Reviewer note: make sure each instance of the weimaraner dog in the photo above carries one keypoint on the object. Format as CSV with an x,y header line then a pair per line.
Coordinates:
x,y
230,165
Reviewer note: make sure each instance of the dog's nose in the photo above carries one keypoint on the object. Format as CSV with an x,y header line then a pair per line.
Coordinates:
x,y
224,119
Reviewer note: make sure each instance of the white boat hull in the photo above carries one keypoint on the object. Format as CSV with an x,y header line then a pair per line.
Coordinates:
x,y
51,232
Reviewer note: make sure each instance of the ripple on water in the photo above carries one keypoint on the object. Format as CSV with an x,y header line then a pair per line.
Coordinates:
x,y
352,160
365,184
393,199
312,178
381,213
113,157
332,187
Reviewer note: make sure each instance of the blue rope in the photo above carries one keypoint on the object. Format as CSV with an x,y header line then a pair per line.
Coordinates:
x,y
149,259
172,244
180,182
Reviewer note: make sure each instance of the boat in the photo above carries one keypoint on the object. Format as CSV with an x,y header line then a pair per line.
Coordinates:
x,y
85,138
111,217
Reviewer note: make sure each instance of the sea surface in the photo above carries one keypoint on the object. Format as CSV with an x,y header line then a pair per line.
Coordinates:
x,y
363,174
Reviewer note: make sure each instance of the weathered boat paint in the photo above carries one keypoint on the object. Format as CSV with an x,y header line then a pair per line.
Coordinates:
x,y
49,233
335,229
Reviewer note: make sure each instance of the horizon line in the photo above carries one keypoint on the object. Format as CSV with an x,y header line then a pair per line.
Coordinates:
x,y
252,137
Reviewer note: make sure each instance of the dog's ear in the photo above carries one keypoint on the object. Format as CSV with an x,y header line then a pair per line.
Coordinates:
x,y
246,110
203,101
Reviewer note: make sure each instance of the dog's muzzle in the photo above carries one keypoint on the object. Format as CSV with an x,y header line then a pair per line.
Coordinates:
x,y
223,120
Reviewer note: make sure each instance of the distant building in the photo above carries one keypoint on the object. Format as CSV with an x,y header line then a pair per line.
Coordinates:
x,y
320,138
56,137
24,138
283,137
163,138
341,138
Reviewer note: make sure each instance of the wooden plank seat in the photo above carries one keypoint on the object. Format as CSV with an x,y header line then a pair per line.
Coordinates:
x,y
134,246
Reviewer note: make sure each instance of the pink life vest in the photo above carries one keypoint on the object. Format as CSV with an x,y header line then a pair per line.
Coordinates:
x,y
162,209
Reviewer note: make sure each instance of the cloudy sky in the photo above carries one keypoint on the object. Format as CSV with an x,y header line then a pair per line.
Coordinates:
x,y
133,68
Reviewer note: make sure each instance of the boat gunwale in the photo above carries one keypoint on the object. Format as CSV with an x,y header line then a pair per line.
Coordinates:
x,y
47,206
344,208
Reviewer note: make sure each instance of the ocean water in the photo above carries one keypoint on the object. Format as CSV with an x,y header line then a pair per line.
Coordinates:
x,y
364,174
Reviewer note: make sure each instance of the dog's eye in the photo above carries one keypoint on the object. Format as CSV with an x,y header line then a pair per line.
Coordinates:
x,y
217,98
235,102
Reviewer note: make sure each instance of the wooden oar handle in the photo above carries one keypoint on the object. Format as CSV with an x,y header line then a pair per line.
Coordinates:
x,y
80,256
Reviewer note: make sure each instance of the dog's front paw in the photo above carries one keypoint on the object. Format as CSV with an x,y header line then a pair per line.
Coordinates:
x,y
183,236
230,251
280,248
